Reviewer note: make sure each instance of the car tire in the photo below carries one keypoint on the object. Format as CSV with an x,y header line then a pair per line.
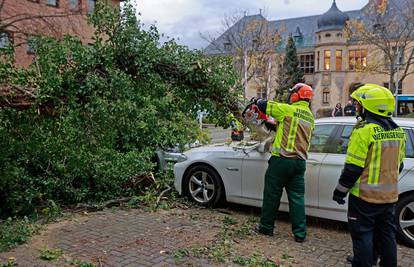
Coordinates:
x,y
404,211
203,185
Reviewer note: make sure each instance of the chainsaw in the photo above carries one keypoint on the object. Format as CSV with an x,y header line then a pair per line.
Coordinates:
x,y
252,114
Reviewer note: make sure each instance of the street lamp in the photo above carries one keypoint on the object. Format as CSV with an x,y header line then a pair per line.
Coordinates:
x,y
397,82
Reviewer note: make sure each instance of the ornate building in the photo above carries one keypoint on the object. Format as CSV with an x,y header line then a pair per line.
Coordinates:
x,y
328,58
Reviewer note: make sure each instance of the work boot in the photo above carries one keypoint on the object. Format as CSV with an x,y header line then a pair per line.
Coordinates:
x,y
258,229
299,239
350,258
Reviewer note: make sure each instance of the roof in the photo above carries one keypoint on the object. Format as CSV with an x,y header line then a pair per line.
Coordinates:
x,y
306,26
333,19
303,29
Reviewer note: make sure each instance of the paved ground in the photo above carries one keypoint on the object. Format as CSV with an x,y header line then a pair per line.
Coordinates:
x,y
188,237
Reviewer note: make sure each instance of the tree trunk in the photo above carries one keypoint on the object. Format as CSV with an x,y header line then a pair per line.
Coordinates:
x,y
245,73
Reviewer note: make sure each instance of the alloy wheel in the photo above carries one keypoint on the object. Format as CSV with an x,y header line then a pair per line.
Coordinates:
x,y
406,220
201,187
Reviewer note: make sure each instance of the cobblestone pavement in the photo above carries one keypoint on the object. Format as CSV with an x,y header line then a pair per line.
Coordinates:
x,y
139,238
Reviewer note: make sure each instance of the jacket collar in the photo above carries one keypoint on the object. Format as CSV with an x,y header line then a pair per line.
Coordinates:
x,y
301,103
384,122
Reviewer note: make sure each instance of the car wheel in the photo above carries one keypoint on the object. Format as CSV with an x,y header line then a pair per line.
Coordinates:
x,y
203,185
404,212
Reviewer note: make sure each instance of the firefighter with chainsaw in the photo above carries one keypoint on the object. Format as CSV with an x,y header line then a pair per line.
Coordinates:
x,y
373,161
287,164
237,133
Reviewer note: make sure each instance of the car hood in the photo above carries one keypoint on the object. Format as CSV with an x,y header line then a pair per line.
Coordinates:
x,y
224,147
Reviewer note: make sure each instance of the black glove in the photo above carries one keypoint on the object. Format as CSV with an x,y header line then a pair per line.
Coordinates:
x,y
339,196
270,126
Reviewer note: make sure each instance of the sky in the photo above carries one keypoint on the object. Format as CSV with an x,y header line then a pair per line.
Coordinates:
x,y
185,20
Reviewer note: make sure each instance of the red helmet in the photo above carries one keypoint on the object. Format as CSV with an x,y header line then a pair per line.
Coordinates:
x,y
300,91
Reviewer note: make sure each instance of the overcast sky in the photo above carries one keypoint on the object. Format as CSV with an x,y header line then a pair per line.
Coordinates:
x,y
186,19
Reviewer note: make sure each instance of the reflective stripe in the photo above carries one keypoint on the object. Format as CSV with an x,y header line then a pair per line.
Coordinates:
x,y
292,134
377,163
342,188
385,188
355,157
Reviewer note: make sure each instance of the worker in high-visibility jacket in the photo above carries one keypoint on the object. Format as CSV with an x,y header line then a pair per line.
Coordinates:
x,y
373,161
287,164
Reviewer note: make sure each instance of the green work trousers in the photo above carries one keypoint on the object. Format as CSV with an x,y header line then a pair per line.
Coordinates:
x,y
288,174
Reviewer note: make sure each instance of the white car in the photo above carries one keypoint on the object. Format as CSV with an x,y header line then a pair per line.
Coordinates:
x,y
235,173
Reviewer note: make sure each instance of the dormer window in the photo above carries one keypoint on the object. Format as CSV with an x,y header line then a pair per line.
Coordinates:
x,y
377,28
255,44
227,46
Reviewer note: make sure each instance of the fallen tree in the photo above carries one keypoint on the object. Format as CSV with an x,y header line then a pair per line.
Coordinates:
x,y
82,121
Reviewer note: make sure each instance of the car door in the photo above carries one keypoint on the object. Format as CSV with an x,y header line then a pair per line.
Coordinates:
x,y
254,168
332,166
319,145
409,152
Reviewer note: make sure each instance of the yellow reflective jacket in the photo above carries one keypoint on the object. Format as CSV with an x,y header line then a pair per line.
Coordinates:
x,y
380,154
295,127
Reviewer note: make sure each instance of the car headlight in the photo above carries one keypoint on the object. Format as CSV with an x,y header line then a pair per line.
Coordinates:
x,y
174,157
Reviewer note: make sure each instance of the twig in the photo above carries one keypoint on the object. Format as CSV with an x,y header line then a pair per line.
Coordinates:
x,y
160,196
108,204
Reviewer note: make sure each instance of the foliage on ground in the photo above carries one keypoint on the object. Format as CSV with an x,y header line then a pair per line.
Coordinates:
x,y
100,112
14,232
48,254
222,249
10,262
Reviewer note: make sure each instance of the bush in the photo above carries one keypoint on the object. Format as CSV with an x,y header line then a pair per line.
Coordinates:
x,y
101,112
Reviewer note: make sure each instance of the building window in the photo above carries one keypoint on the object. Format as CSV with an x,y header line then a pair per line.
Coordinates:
x,y
91,5
227,46
339,35
54,3
307,63
75,4
338,54
31,45
327,35
387,85
325,96
327,60
5,40
261,93
357,58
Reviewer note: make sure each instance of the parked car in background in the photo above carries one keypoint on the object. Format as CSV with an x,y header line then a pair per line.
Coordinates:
x,y
235,173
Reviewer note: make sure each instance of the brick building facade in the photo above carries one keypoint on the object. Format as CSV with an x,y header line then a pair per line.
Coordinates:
x,y
26,19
